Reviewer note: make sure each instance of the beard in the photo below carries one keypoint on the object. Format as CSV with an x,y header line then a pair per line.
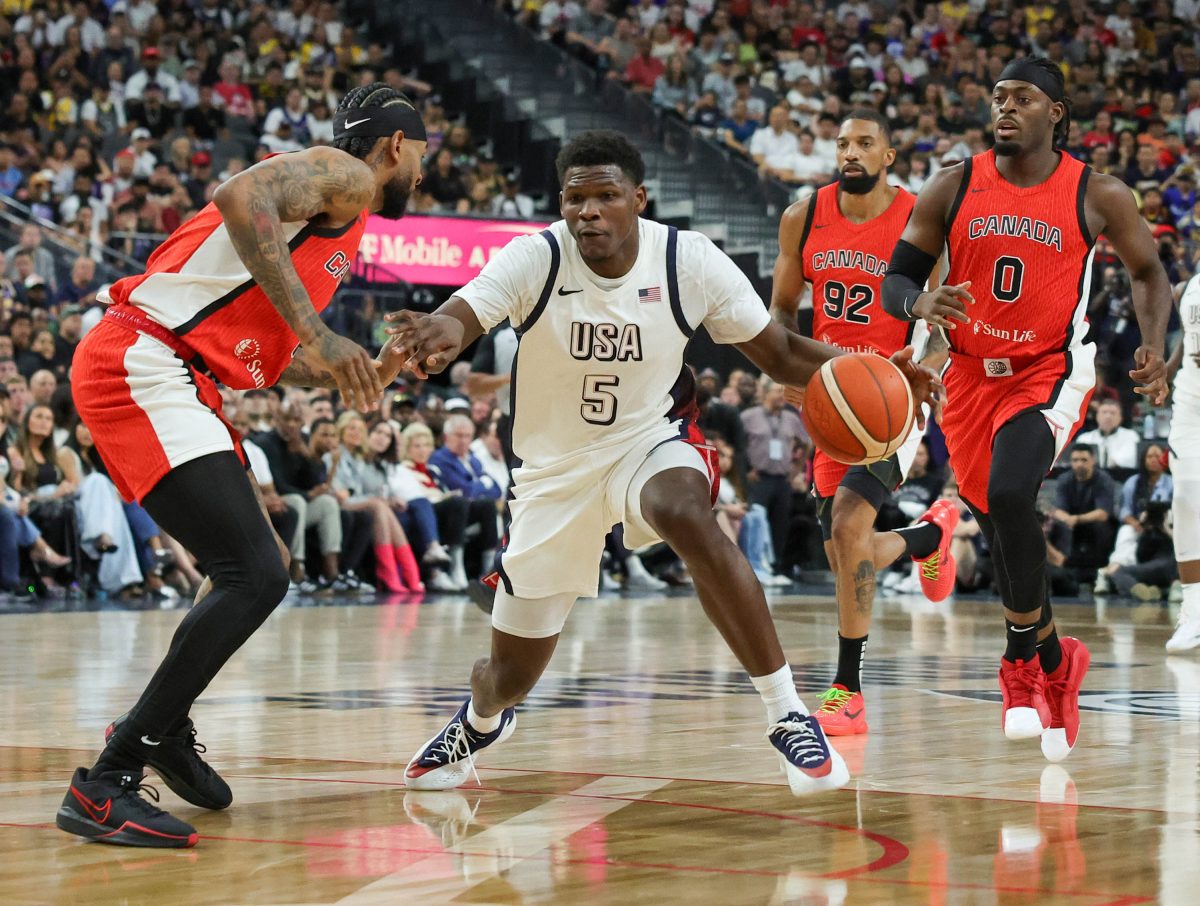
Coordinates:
x,y
859,185
1007,149
395,198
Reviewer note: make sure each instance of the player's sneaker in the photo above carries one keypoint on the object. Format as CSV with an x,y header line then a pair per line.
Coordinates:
x,y
1026,713
811,764
1187,633
176,759
446,760
1062,695
938,569
110,809
842,712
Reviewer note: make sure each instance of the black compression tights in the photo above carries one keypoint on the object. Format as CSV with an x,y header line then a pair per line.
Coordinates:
x,y
1022,454
209,506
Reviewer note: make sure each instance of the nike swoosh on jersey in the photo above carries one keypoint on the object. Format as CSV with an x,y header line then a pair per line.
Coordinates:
x,y
351,125
568,292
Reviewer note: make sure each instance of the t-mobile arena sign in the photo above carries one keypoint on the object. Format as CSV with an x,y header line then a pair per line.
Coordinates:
x,y
447,251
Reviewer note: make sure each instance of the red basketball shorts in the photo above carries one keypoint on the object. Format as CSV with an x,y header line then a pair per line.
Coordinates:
x,y
147,409
982,395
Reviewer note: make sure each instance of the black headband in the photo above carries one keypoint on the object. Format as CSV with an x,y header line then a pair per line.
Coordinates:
x,y
1034,75
377,121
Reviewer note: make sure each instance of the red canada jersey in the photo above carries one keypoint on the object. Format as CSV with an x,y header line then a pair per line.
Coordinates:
x,y
1028,255
845,263
197,286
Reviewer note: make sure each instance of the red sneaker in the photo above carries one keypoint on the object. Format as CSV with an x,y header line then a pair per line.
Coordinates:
x,y
1062,695
1026,714
842,712
937,570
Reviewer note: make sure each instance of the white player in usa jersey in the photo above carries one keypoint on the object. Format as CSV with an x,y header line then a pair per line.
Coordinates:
x,y
604,304
1184,442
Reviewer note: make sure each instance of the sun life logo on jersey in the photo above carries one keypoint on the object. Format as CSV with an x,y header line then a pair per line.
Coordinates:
x,y
337,265
248,351
1003,333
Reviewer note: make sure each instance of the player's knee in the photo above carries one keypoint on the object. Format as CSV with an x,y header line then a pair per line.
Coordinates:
x,y
272,580
848,531
1008,504
680,520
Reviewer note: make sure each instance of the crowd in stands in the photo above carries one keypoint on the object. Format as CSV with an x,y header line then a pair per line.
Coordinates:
x,y
117,121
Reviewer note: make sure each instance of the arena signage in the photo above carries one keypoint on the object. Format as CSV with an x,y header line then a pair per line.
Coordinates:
x,y
448,251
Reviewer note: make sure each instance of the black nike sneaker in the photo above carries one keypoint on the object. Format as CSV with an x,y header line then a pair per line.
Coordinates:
x,y
176,759
110,809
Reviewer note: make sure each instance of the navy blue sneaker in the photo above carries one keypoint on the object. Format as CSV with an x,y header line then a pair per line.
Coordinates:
x,y
812,765
446,760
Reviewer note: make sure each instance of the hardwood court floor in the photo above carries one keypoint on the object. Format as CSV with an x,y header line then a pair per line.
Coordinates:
x,y
638,773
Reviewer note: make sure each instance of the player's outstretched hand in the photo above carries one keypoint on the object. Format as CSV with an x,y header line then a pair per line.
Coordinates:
x,y
945,305
926,385
425,343
352,368
1151,374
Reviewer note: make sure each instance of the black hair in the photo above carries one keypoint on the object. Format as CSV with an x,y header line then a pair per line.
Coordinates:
x,y
377,94
871,116
1084,448
598,147
320,423
1063,127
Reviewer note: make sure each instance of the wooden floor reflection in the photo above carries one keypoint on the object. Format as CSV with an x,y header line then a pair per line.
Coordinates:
x,y
639,772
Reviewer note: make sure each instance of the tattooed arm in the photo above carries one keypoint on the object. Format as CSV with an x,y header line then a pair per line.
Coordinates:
x,y
318,184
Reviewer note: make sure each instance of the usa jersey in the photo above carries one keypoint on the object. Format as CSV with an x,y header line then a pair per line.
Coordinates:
x,y
845,263
599,362
197,286
1187,380
1028,255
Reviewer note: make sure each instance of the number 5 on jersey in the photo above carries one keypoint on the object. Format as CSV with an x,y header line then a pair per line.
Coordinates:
x,y
599,405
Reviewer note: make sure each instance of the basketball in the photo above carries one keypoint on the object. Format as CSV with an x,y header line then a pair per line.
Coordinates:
x,y
858,408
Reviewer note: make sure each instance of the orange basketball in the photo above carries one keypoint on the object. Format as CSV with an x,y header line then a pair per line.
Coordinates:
x,y
858,408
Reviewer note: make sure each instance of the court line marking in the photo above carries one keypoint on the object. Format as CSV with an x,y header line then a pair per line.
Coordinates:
x,y
1126,900
304,759
894,852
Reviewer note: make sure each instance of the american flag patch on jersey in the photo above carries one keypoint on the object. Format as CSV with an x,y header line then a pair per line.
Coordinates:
x,y
653,294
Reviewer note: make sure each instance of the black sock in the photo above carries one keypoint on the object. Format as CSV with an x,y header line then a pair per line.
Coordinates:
x,y
920,540
1050,652
1022,641
851,653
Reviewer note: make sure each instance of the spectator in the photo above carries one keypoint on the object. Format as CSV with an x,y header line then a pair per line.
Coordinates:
x,y
1154,568
458,470
11,176
805,166
774,434
1151,484
511,203
738,129
1085,502
1116,447
443,181
589,29
744,524
82,285
359,486
39,256
454,512
284,518
153,75
643,70
415,510
302,479
673,90
773,149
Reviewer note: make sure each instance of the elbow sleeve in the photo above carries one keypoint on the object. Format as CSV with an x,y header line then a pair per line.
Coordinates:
x,y
905,279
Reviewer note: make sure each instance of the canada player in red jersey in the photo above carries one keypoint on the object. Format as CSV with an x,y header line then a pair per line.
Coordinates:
x,y
233,295
1019,224
839,241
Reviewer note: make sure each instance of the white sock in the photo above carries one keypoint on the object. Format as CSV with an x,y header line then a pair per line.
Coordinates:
x,y
778,691
482,724
1191,601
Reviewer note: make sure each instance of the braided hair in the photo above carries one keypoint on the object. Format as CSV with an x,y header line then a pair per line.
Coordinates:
x,y
377,94
1063,127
